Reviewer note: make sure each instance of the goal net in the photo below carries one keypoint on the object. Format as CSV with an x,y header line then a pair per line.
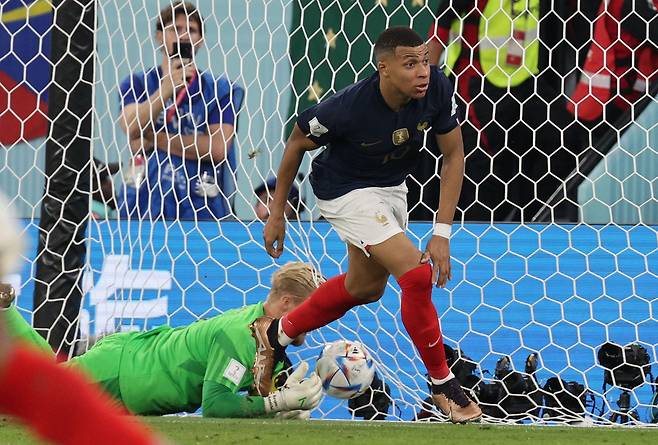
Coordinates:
x,y
549,263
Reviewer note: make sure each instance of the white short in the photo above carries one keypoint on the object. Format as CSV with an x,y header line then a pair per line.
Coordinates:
x,y
369,216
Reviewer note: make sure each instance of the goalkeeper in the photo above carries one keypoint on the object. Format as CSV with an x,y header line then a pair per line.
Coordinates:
x,y
206,364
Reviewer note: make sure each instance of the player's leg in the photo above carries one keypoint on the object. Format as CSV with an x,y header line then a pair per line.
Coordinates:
x,y
399,256
102,363
363,283
402,259
352,216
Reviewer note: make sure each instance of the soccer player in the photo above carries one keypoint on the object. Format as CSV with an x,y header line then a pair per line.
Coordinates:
x,y
373,131
183,121
206,364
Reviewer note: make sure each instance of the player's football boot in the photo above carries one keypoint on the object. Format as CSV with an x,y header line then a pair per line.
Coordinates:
x,y
7,295
268,353
451,399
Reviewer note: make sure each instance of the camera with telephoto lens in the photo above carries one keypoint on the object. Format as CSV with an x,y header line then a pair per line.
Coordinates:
x,y
374,403
512,395
564,399
183,50
625,368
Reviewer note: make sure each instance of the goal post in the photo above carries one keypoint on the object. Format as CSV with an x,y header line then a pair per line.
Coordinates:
x,y
530,304
62,240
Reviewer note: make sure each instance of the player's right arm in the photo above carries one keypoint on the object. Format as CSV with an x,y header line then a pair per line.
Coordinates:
x,y
275,229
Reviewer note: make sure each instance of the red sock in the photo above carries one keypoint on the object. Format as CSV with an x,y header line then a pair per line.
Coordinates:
x,y
421,320
61,406
329,302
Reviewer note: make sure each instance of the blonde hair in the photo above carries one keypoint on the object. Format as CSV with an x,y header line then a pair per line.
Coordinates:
x,y
297,279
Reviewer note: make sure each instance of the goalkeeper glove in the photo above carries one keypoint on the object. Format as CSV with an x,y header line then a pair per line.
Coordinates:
x,y
297,393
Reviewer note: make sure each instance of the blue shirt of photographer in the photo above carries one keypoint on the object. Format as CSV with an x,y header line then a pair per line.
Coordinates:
x,y
169,187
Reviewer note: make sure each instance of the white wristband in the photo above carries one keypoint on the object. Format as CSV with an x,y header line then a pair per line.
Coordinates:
x,y
442,230
274,402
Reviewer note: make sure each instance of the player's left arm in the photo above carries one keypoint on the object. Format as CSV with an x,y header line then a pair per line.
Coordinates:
x,y
445,125
452,175
206,147
220,401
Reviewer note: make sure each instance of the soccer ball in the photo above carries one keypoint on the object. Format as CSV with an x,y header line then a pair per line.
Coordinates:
x,y
345,368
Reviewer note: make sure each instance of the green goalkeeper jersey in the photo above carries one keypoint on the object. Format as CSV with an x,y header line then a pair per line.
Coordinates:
x,y
169,370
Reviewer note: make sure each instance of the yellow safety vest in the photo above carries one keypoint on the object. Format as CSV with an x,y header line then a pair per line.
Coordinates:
x,y
454,48
499,20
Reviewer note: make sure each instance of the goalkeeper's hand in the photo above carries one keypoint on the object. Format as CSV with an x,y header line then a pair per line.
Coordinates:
x,y
297,394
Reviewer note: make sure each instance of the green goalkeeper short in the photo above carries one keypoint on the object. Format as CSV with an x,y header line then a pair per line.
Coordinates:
x,y
103,361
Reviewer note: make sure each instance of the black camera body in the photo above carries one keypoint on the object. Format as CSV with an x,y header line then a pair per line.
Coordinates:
x,y
512,395
564,399
374,403
183,50
624,367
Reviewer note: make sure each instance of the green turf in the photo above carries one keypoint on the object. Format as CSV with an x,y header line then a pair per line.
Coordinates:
x,y
270,432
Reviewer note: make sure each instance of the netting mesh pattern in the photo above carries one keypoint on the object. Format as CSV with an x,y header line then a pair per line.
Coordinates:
x,y
557,290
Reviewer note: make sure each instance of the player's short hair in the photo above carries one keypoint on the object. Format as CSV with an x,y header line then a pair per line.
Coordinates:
x,y
296,278
396,36
169,13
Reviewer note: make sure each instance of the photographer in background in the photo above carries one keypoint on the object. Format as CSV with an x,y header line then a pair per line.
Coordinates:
x,y
180,124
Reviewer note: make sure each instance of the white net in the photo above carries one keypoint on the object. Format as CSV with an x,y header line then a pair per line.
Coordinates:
x,y
561,167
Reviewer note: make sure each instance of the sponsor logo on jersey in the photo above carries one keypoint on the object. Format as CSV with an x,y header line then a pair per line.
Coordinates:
x,y
316,128
400,136
234,371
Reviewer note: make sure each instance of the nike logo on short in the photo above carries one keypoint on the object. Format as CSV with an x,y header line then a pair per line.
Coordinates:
x,y
370,144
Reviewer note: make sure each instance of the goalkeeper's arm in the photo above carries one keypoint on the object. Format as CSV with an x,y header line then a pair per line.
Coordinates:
x,y
297,394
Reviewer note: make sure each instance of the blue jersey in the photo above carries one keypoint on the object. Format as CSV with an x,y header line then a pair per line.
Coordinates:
x,y
367,143
172,187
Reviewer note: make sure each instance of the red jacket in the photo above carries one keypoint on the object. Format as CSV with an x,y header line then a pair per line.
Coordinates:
x,y
622,60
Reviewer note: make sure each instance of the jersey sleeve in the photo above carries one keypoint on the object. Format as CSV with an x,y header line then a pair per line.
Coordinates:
x,y
220,401
446,117
132,90
320,123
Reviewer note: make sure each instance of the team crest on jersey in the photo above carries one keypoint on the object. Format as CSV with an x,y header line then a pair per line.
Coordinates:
x,y
400,136
422,126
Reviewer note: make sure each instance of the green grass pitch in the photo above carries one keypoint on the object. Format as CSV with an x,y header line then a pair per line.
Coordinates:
x,y
192,430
